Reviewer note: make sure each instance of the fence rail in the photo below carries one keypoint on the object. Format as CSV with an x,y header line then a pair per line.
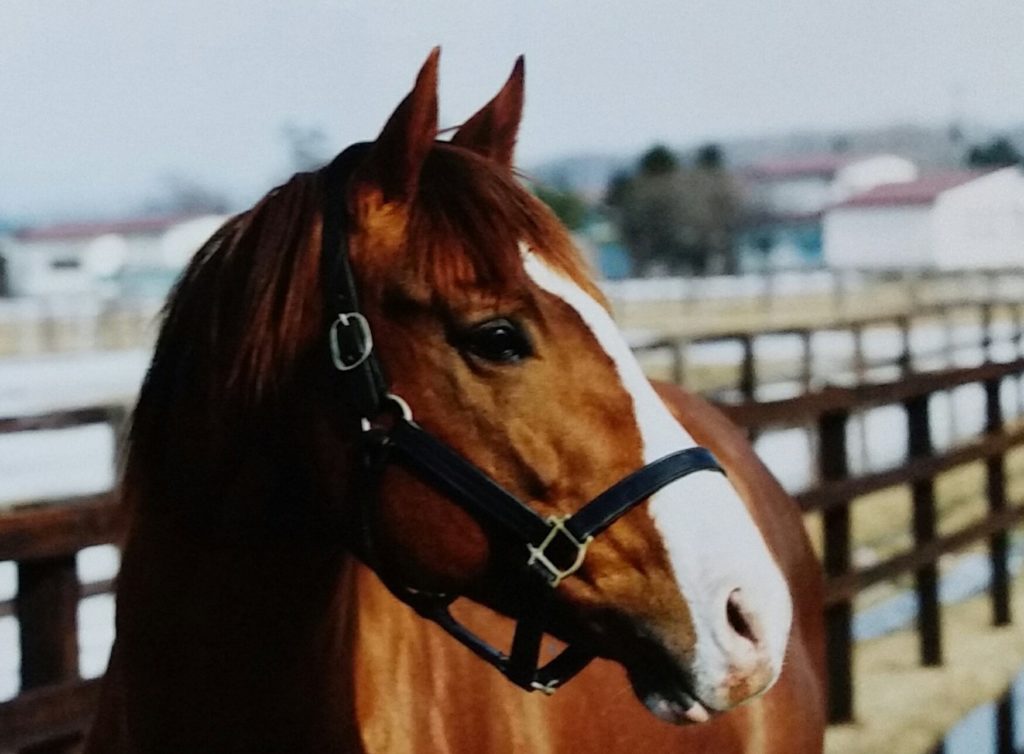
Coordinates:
x,y
54,704
751,376
918,286
829,411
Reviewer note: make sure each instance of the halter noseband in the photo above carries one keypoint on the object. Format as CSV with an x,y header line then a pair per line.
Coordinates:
x,y
554,548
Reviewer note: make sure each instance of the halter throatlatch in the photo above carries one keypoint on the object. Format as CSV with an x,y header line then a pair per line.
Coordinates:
x,y
554,548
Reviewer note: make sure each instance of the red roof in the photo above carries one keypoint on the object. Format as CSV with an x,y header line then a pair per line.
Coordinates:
x,y
922,191
822,165
73,231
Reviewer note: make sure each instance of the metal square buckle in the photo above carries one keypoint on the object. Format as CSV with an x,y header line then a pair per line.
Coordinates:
x,y
540,560
351,341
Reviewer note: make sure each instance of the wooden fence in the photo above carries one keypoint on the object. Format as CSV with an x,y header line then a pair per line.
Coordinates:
x,y
76,322
915,287
751,376
83,321
55,703
43,539
829,411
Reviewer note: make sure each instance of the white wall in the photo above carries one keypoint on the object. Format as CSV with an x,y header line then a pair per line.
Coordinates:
x,y
184,239
878,237
75,265
39,268
981,223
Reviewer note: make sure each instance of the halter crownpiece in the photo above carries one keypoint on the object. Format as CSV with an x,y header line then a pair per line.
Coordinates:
x,y
554,548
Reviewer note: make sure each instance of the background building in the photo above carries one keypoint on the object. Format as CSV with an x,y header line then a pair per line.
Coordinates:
x,y
129,256
945,221
786,199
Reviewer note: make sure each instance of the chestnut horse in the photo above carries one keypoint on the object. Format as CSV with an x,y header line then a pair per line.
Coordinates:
x,y
247,620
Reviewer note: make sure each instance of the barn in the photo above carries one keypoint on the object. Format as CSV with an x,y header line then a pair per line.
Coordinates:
x,y
91,257
944,221
787,196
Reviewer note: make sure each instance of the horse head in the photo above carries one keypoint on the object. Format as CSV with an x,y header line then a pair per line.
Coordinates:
x,y
490,329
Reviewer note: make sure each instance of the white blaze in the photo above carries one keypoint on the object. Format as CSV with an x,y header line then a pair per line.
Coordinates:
x,y
711,539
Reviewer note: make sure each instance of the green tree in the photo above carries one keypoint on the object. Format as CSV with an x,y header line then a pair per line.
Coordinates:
x,y
617,192
997,153
713,206
679,217
658,160
709,157
567,205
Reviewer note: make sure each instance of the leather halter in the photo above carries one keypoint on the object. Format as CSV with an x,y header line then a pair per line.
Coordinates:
x,y
553,548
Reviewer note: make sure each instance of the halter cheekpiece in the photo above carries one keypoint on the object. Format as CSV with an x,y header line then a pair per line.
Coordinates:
x,y
553,548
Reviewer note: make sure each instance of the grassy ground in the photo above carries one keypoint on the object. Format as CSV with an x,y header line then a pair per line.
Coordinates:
x,y
905,709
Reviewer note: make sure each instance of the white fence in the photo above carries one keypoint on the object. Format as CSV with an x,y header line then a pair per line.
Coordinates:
x,y
75,323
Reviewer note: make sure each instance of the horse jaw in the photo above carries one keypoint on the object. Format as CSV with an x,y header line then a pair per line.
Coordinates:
x,y
738,600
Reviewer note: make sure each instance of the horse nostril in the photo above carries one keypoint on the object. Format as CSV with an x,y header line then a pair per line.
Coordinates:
x,y
737,615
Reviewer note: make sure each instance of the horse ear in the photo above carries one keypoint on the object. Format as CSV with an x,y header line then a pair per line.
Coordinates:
x,y
398,154
493,130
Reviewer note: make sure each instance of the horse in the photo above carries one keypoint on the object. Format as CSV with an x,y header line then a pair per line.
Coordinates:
x,y
365,388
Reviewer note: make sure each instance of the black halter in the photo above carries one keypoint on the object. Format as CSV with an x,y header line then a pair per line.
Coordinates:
x,y
553,548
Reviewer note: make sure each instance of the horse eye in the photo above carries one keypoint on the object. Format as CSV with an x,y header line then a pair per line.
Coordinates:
x,y
499,340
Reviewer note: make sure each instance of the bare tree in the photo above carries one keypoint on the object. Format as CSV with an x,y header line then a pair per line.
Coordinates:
x,y
308,148
184,195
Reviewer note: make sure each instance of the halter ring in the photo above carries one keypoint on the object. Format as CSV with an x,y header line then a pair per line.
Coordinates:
x,y
404,409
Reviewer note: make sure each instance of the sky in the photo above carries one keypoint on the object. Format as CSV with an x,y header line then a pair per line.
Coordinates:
x,y
103,101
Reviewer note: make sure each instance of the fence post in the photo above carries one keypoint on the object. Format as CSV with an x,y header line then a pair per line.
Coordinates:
x,y
999,543
913,282
1005,725
904,359
836,556
807,364
948,315
1018,338
838,294
47,608
678,361
748,369
986,331
1018,328
929,624
859,363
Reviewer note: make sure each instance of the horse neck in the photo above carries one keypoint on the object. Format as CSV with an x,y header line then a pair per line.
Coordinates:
x,y
233,636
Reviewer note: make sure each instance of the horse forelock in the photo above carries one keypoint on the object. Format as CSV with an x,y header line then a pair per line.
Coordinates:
x,y
466,224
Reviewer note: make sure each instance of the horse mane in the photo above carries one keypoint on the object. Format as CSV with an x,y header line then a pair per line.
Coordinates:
x,y
248,310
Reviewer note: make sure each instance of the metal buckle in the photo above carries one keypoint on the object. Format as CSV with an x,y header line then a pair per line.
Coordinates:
x,y
538,556
365,343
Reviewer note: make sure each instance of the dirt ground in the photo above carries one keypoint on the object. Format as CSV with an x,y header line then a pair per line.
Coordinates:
x,y
980,662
